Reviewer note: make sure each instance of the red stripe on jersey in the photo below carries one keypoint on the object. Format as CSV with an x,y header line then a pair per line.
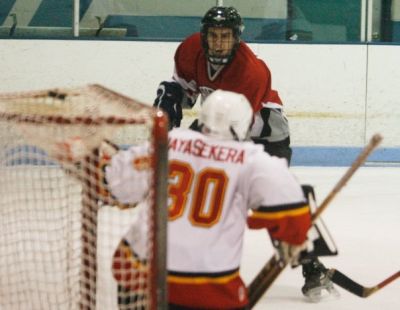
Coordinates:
x,y
287,225
226,292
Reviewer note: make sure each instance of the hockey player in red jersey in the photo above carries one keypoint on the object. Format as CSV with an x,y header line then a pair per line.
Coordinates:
x,y
216,58
216,179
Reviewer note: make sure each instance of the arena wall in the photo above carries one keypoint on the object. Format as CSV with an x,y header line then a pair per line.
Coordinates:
x,y
336,96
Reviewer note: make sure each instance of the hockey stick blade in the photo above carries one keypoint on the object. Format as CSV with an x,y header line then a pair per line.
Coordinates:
x,y
271,270
355,288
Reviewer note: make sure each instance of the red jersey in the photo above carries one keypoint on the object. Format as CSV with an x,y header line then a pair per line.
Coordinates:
x,y
245,74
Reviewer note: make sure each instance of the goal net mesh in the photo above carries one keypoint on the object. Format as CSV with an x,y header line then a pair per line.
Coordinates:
x,y
58,228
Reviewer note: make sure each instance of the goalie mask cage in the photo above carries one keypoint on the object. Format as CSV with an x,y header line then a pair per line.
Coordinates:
x,y
58,227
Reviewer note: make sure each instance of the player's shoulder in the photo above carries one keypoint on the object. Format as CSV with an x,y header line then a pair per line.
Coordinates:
x,y
251,148
190,44
245,57
259,158
187,55
252,152
194,38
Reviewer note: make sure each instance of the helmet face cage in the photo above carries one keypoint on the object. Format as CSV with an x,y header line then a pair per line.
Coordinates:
x,y
223,17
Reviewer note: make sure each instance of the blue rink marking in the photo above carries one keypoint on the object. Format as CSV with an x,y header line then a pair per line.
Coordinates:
x,y
302,156
342,156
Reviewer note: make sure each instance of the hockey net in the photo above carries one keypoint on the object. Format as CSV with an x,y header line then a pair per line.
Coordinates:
x,y
58,230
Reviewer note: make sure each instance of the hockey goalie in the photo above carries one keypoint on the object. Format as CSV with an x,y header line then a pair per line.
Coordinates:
x,y
215,178
283,210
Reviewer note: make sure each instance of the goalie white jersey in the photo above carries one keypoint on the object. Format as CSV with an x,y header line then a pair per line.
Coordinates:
x,y
213,184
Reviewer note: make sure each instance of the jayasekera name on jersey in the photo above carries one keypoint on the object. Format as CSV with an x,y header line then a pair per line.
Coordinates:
x,y
199,148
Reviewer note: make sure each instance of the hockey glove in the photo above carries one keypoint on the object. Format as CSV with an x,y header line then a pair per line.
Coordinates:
x,y
289,253
169,99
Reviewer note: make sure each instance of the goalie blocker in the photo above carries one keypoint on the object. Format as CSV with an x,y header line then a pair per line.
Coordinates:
x,y
320,241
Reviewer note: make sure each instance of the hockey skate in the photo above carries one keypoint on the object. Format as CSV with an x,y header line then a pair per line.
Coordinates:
x,y
317,285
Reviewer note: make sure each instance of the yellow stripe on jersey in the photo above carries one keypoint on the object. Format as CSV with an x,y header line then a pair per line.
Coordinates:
x,y
280,214
203,279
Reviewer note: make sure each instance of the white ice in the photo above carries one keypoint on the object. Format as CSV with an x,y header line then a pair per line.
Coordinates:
x,y
364,220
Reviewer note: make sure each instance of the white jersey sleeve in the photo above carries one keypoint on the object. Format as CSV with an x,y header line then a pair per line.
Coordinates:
x,y
128,174
270,183
277,200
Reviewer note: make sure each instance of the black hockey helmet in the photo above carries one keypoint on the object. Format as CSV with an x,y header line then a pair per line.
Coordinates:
x,y
224,17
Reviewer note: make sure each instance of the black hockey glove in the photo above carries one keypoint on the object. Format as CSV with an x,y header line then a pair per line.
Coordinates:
x,y
169,99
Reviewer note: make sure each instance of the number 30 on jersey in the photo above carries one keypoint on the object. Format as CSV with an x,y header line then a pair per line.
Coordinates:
x,y
207,188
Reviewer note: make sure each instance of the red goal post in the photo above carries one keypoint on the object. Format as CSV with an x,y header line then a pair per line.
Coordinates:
x,y
58,229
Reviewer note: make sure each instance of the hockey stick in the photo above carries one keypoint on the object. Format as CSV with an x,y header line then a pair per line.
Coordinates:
x,y
357,289
271,270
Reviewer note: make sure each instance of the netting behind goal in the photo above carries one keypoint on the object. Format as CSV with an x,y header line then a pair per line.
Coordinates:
x,y
58,227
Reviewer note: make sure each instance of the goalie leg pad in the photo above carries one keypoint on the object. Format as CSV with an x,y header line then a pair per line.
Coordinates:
x,y
321,242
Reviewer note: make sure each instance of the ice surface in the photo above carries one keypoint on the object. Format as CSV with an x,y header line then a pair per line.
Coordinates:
x,y
364,220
